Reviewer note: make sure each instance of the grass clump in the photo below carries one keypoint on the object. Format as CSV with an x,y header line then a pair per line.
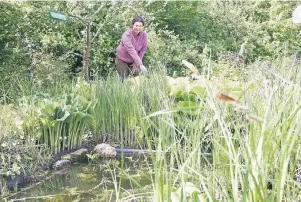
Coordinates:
x,y
254,141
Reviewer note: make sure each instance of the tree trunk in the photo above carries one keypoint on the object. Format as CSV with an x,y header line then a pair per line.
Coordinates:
x,y
87,51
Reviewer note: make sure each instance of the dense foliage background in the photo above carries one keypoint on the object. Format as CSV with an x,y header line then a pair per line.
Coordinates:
x,y
37,48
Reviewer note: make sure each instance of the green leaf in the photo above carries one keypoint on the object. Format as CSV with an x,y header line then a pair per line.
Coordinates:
x,y
16,168
66,115
199,90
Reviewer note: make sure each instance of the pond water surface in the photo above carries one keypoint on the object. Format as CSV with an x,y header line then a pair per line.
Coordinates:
x,y
91,181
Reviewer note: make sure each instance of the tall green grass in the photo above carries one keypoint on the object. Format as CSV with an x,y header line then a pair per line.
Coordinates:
x,y
121,107
252,160
255,143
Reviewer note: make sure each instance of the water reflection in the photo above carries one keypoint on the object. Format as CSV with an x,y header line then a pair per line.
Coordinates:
x,y
86,181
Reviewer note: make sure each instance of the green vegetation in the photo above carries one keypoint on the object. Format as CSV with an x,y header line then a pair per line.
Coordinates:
x,y
237,97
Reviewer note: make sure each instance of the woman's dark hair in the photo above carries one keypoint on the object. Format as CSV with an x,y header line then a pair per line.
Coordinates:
x,y
138,19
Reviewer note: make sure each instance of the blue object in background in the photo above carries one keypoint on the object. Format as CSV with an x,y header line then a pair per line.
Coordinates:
x,y
58,15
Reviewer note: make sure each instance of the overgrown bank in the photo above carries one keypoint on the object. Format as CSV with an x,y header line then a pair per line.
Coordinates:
x,y
249,125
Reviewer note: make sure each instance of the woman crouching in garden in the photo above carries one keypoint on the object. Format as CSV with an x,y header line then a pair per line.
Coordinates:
x,y
131,50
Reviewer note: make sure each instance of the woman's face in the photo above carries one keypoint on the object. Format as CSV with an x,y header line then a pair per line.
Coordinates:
x,y
137,27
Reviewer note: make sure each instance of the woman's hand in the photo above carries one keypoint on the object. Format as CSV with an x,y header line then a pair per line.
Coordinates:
x,y
135,69
143,69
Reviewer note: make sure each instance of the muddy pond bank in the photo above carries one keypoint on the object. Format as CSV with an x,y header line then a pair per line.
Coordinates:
x,y
87,176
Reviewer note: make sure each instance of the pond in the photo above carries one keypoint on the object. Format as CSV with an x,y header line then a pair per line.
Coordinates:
x,y
99,180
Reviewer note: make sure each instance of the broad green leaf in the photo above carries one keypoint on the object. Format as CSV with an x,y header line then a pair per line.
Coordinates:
x,y
199,90
66,115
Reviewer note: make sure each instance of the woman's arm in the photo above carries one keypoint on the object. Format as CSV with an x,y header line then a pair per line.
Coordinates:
x,y
143,49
